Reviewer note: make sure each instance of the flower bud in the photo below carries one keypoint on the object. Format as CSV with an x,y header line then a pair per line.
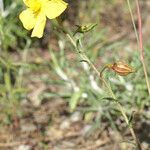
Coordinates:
x,y
84,28
122,68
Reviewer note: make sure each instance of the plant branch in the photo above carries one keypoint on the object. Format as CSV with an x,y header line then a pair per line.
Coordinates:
x,y
120,107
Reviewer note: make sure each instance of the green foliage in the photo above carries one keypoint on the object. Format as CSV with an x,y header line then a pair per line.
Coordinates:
x,y
12,34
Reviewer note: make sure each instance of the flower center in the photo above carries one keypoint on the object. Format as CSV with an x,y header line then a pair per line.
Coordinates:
x,y
35,7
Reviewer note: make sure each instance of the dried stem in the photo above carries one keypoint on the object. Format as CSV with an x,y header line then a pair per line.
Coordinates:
x,y
141,45
139,39
132,18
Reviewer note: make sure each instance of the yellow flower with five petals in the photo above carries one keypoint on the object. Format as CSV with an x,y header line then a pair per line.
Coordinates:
x,y
34,17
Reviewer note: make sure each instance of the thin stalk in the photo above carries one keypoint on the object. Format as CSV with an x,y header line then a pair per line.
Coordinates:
x,y
120,107
133,22
141,44
139,39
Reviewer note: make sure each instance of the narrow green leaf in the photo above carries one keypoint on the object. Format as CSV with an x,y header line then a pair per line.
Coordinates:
x,y
109,98
74,100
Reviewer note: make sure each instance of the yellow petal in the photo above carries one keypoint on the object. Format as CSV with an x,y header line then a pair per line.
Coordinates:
x,y
54,8
39,26
33,4
28,19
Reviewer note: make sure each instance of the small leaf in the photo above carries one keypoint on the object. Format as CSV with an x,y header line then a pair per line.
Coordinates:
x,y
131,118
7,81
78,43
74,100
109,98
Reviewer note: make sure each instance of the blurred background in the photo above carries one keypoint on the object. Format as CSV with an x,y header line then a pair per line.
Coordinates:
x,y
50,100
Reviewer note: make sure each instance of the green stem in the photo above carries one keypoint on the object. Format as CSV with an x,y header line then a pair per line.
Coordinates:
x,y
120,107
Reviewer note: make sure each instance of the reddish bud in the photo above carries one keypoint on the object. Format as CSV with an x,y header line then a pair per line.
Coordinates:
x,y
121,68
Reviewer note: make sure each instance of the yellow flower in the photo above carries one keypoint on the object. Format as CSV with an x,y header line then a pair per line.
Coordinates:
x,y
34,17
